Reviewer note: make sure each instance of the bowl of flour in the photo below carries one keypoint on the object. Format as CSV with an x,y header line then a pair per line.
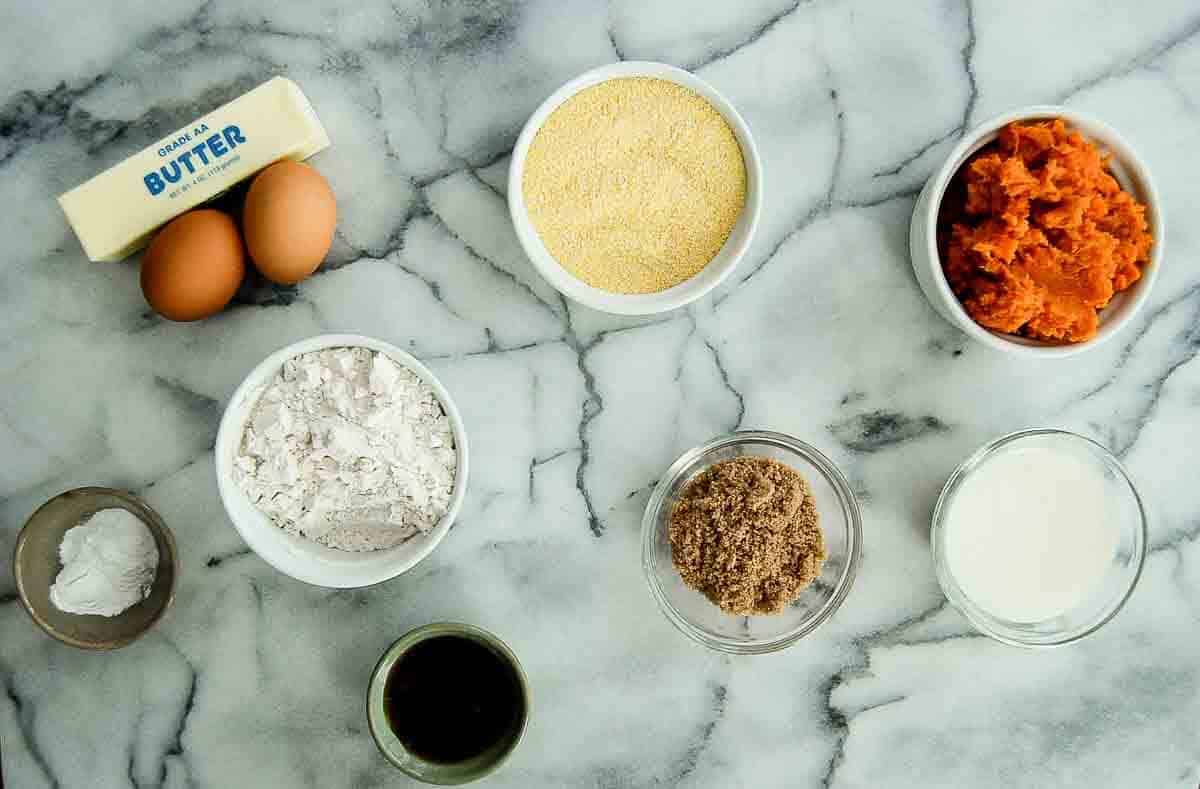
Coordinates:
x,y
342,461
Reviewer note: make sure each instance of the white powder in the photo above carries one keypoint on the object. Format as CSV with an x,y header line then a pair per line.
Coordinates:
x,y
108,565
1030,534
350,449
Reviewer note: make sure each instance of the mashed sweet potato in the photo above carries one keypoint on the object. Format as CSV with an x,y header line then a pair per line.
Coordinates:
x,y
1036,236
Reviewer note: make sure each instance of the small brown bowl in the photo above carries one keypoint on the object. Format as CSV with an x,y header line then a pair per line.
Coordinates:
x,y
36,565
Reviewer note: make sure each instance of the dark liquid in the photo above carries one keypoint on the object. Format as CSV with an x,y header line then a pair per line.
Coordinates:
x,y
450,698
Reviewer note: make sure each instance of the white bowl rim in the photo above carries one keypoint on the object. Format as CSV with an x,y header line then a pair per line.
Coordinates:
x,y
635,303
272,543
1129,158
841,589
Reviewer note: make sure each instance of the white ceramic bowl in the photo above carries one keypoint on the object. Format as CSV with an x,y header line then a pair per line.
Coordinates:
x,y
1129,171
637,303
306,560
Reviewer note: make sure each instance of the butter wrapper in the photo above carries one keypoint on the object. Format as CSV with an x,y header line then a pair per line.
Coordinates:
x,y
116,213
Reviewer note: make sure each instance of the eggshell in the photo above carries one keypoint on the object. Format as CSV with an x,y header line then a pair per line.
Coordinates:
x,y
289,219
194,266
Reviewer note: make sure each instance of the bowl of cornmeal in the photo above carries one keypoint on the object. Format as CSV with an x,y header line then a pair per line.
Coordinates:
x,y
635,188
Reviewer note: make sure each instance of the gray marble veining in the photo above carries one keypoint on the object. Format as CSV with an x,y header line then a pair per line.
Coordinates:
x,y
256,680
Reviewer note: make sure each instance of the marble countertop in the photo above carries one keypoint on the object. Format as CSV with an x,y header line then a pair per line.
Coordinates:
x,y
257,680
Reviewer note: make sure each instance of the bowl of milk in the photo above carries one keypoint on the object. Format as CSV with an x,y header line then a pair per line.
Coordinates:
x,y
1039,538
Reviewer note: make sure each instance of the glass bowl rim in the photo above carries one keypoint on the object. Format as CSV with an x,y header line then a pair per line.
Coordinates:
x,y
853,528
975,615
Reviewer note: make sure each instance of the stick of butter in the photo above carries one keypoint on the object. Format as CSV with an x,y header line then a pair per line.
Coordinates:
x,y
115,213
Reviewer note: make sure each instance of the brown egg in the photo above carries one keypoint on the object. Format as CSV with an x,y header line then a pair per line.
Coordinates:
x,y
289,219
193,266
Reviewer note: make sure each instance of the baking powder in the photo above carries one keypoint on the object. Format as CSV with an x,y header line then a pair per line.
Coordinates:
x,y
350,449
108,564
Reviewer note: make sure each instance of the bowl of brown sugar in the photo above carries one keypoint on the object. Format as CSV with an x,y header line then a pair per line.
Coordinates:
x,y
635,188
751,541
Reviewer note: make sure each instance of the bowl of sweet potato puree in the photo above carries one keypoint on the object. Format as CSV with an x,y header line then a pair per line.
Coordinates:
x,y
1041,235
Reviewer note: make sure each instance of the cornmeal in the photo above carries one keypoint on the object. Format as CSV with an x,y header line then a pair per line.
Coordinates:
x,y
634,184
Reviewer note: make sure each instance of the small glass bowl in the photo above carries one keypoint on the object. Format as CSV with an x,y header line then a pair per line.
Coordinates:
x,y
1111,593
703,621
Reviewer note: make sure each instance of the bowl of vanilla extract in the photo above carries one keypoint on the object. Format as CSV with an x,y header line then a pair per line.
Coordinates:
x,y
448,703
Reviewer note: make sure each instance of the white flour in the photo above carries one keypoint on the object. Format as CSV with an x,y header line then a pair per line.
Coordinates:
x,y
350,449
108,564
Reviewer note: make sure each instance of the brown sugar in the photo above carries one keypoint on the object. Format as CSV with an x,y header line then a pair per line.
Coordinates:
x,y
1036,235
745,534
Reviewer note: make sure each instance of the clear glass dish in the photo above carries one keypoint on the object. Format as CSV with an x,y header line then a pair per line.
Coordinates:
x,y
699,619
1111,592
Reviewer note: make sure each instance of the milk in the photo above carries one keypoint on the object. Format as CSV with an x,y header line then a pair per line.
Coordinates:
x,y
1029,534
